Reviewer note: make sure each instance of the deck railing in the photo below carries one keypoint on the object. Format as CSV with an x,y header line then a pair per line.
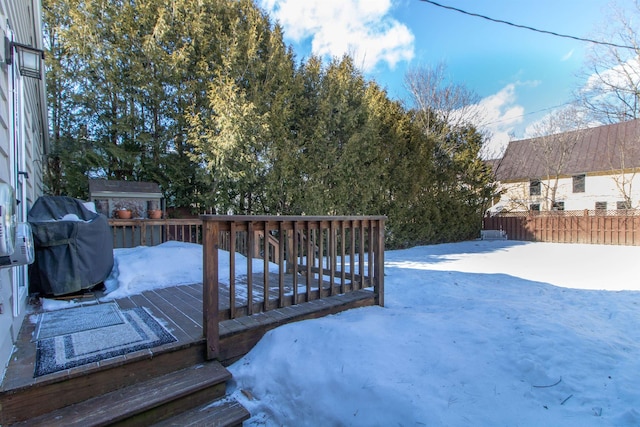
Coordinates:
x,y
129,233
302,258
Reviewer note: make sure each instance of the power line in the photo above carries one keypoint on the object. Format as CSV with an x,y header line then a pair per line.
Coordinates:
x,y
526,114
500,21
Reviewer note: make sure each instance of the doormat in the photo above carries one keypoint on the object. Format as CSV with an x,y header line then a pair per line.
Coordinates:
x,y
78,319
138,331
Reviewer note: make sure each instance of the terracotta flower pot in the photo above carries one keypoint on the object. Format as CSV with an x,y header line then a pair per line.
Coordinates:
x,y
123,214
154,214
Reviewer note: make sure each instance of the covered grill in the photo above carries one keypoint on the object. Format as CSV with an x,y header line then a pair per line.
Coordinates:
x,y
73,246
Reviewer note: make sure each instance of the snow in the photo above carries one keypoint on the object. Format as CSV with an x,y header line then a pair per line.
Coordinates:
x,y
52,304
144,268
483,333
169,264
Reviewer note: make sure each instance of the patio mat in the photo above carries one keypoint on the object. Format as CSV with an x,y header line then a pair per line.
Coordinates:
x,y
61,322
138,331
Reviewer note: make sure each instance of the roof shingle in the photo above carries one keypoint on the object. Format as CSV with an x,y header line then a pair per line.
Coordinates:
x,y
593,150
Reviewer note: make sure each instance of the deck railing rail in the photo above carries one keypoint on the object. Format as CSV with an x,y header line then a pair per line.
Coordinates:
x,y
307,258
129,233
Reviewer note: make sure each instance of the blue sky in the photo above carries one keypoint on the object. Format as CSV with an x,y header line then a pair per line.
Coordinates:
x,y
520,74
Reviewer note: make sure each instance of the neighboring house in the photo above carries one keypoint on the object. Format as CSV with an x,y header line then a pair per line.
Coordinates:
x,y
23,142
595,169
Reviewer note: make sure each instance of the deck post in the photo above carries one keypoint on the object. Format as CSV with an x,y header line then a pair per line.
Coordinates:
x,y
210,308
143,234
378,286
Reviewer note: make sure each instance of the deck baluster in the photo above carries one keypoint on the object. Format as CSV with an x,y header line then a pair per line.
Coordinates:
x,y
265,256
232,269
250,245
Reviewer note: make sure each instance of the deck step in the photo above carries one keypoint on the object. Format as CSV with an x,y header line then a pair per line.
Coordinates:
x,y
51,392
146,402
226,413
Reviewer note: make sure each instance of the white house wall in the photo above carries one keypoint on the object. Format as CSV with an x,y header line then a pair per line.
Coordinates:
x,y
6,284
22,18
598,188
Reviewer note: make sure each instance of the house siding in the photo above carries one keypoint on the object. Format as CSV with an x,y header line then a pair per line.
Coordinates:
x,y
604,155
598,188
6,284
23,18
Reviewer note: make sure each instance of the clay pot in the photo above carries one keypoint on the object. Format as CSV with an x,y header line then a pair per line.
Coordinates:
x,y
154,214
123,214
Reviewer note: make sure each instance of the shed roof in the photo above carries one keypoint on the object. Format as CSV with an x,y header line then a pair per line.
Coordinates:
x,y
599,149
109,188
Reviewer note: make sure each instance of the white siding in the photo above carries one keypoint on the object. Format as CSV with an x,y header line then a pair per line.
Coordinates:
x,y
6,284
598,188
23,19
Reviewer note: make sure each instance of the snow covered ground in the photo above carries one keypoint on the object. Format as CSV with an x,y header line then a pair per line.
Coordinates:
x,y
480,333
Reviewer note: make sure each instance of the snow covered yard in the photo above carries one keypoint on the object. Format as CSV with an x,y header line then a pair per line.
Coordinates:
x,y
483,333
479,333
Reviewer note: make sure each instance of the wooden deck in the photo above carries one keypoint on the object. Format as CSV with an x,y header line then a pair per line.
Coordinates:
x,y
179,308
325,265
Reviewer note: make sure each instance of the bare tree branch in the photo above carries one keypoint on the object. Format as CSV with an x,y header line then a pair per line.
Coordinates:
x,y
612,75
440,100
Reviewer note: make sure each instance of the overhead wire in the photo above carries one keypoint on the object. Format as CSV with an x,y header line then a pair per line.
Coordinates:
x,y
526,27
526,114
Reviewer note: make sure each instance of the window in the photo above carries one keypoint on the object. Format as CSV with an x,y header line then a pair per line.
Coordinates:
x,y
623,205
534,187
534,207
601,206
578,183
558,206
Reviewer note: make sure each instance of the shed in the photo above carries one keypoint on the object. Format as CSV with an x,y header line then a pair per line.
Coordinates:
x,y
141,198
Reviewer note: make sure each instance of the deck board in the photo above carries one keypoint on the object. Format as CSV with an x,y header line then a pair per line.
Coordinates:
x,y
183,322
174,297
195,290
188,298
126,303
180,309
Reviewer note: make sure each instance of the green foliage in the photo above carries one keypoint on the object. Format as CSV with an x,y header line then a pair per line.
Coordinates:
x,y
204,97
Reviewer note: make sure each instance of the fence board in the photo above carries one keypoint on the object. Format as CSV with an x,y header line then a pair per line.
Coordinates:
x,y
591,227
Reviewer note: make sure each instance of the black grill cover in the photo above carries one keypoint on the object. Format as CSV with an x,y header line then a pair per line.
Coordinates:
x,y
69,255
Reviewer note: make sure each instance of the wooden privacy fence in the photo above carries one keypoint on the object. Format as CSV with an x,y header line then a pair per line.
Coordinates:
x,y
303,258
588,226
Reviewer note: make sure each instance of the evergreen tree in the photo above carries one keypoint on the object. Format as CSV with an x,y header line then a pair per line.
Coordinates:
x,y
204,97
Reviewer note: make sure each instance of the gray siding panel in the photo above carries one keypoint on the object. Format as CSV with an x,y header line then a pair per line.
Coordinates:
x,y
23,18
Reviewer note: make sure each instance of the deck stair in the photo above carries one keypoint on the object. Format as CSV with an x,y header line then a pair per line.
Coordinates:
x,y
222,413
154,400
141,392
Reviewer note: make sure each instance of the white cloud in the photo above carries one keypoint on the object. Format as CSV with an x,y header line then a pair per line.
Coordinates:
x,y
499,115
364,29
568,55
622,75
